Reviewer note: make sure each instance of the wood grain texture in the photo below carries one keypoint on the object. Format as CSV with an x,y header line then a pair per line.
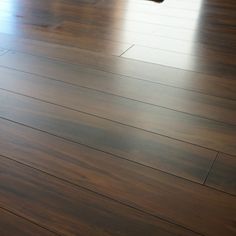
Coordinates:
x,y
180,60
177,99
69,210
12,225
169,155
124,14
112,114
41,27
135,185
50,23
105,6
208,84
195,130
223,174
216,54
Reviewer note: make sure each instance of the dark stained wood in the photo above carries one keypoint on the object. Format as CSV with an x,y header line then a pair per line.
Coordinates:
x,y
12,225
123,142
162,57
169,155
212,85
83,42
195,130
223,174
69,210
72,33
119,13
118,6
120,28
48,22
177,99
140,187
181,61
213,54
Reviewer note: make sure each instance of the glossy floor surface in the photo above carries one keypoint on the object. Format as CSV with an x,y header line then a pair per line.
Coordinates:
x,y
117,117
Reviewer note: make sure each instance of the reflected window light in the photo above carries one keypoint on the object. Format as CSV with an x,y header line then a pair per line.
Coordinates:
x,y
8,16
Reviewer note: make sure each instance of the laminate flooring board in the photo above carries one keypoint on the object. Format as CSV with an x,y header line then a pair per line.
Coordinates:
x,y
161,9
206,106
195,130
144,9
12,225
181,61
69,210
194,206
214,54
117,118
121,29
132,26
104,14
169,155
101,13
223,175
198,131
211,64
118,18
84,42
112,6
219,86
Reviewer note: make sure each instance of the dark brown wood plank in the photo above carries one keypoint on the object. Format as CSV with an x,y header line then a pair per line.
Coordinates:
x,y
112,15
121,5
69,210
116,18
205,51
211,65
103,13
193,35
206,106
223,174
162,9
141,187
169,155
12,225
180,60
195,130
84,42
130,26
218,86
117,27
99,14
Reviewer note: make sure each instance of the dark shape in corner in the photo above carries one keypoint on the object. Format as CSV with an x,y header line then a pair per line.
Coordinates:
x,y
157,1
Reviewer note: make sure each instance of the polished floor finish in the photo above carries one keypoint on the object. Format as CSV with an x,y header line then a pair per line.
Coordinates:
x,y
117,117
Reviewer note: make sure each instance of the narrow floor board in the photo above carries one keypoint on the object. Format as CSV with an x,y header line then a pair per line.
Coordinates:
x,y
12,225
69,210
104,46
195,130
212,85
223,174
206,106
169,155
180,60
117,118
150,40
132,184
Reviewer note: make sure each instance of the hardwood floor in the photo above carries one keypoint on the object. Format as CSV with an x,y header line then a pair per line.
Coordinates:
x,y
11,224
222,175
117,118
